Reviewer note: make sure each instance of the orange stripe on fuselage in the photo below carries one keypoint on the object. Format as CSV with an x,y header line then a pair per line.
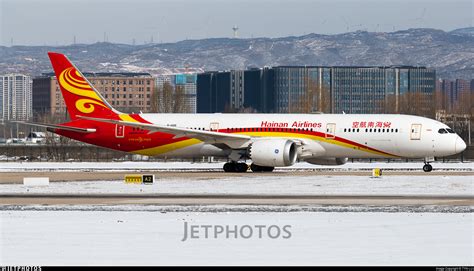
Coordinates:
x,y
313,135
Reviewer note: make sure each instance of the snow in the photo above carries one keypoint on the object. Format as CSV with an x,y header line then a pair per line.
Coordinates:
x,y
266,185
320,235
114,166
155,238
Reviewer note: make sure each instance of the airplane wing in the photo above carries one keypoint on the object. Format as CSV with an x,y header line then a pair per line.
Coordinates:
x,y
232,140
62,127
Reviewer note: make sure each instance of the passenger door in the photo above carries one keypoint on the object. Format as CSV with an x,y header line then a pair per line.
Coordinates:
x,y
214,126
330,131
415,132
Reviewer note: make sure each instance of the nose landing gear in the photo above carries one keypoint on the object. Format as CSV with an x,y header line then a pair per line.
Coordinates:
x,y
427,168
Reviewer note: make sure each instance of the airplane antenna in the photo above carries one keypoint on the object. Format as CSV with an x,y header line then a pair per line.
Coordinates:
x,y
420,20
235,28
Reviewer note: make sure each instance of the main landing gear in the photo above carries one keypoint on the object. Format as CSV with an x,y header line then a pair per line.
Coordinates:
x,y
256,168
427,168
243,167
235,167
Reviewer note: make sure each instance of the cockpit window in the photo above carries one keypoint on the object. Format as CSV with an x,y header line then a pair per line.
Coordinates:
x,y
450,131
442,131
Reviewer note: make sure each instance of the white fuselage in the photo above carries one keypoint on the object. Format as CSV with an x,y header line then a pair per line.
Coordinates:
x,y
341,135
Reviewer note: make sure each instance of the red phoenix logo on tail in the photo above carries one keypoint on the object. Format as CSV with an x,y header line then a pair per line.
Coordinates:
x,y
73,82
80,97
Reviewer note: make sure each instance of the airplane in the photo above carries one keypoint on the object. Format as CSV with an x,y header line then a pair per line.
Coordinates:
x,y
268,140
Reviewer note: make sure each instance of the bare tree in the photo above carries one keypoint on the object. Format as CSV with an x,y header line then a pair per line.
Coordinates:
x,y
324,99
417,103
170,99
179,105
229,109
315,98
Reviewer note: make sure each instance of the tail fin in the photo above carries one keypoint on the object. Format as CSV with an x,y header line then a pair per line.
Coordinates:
x,y
81,98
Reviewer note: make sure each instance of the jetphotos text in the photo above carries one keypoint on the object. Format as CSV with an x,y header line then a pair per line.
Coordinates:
x,y
209,231
294,124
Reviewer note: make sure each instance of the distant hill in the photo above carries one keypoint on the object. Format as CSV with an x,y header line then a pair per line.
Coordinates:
x,y
450,53
468,31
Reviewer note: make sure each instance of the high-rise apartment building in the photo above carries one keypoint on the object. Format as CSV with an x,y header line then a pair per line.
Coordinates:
x,y
15,97
186,83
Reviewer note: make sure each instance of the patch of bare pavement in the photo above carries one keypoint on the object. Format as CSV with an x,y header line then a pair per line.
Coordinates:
x,y
64,176
233,199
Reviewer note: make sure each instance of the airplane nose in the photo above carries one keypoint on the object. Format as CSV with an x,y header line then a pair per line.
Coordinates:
x,y
460,145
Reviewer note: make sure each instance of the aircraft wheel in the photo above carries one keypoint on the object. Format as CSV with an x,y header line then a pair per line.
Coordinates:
x,y
235,167
427,168
242,167
256,168
229,167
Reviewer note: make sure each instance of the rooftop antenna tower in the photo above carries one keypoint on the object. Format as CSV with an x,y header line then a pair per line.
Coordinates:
x,y
235,28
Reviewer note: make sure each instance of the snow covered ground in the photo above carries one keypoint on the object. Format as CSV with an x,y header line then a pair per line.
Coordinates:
x,y
155,238
117,166
267,185
320,235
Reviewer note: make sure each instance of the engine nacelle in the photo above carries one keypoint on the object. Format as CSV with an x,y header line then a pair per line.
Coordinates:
x,y
327,161
273,152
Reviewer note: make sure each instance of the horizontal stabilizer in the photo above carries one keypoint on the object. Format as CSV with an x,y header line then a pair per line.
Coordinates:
x,y
62,127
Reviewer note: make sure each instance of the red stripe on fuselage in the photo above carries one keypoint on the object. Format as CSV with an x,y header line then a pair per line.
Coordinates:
x,y
137,139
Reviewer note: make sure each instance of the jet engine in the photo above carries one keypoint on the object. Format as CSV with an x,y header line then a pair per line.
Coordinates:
x,y
327,161
273,152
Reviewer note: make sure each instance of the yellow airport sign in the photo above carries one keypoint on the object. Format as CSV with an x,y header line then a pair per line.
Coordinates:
x,y
135,179
139,179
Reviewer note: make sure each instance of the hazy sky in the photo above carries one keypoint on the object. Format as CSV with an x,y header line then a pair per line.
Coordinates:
x,y
51,22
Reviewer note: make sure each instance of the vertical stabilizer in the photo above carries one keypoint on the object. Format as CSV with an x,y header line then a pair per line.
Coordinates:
x,y
81,98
